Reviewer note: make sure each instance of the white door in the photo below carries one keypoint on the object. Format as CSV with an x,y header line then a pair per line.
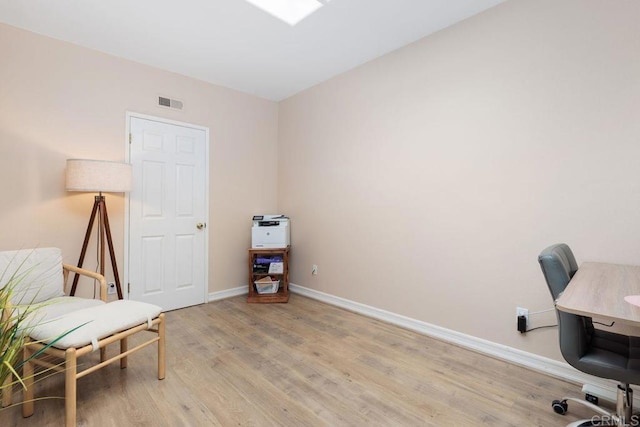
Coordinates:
x,y
167,213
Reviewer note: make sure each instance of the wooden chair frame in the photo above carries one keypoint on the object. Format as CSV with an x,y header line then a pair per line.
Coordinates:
x,y
69,357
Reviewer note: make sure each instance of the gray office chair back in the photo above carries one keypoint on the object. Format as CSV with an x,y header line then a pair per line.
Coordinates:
x,y
558,266
575,332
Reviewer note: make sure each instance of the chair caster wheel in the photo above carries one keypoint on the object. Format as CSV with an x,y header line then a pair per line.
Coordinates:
x,y
559,406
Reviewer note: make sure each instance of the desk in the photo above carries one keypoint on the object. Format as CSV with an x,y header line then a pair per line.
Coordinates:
x,y
598,290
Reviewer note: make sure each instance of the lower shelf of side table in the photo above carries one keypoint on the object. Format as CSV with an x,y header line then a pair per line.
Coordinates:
x,y
279,296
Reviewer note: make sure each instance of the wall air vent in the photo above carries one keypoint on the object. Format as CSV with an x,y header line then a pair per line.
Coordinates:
x,y
174,104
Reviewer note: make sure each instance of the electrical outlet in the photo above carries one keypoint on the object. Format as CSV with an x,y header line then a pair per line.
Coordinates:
x,y
111,288
314,270
523,312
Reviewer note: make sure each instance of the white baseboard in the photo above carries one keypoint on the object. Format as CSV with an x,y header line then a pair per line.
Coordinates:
x,y
228,293
542,364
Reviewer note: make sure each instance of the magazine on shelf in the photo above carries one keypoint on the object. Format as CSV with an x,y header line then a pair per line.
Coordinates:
x,y
276,268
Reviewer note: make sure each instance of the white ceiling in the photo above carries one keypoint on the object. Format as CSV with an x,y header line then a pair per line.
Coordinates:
x,y
234,44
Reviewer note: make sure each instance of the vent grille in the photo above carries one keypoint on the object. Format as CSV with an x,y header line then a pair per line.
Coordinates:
x,y
174,104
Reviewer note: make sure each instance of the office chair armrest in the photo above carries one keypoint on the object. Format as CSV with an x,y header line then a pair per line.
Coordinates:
x,y
66,268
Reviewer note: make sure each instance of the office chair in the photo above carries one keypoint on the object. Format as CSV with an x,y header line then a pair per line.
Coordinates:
x,y
595,352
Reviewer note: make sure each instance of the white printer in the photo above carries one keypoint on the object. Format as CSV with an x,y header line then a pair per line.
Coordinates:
x,y
270,231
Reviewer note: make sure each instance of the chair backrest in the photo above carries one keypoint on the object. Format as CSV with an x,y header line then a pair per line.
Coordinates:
x,y
558,266
36,274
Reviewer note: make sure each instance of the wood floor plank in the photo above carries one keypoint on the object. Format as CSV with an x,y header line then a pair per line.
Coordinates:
x,y
303,363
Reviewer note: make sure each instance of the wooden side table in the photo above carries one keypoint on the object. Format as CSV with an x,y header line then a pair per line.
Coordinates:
x,y
283,291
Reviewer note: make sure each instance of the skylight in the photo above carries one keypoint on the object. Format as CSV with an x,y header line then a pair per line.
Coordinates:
x,y
290,11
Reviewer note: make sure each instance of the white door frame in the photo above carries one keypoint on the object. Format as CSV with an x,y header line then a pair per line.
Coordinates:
x,y
129,115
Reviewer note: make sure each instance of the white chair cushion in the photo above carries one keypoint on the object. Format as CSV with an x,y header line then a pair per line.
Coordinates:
x,y
54,308
36,272
94,323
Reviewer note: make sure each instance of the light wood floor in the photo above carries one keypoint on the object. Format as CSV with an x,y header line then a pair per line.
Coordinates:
x,y
304,363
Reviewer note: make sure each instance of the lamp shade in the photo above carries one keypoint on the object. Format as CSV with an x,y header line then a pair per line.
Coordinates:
x,y
98,175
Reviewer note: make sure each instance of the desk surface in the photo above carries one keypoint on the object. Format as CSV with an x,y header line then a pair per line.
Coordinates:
x,y
598,290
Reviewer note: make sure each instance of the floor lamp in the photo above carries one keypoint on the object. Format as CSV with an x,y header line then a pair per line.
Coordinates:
x,y
99,176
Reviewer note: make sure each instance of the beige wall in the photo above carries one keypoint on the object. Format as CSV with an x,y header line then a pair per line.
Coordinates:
x,y
426,182
60,101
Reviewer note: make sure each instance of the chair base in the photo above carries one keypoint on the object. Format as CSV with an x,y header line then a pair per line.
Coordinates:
x,y
622,417
594,422
590,423
69,365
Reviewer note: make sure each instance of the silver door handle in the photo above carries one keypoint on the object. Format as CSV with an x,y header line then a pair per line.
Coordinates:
x,y
200,225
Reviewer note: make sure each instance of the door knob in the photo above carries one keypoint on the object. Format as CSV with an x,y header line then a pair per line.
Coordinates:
x,y
200,225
